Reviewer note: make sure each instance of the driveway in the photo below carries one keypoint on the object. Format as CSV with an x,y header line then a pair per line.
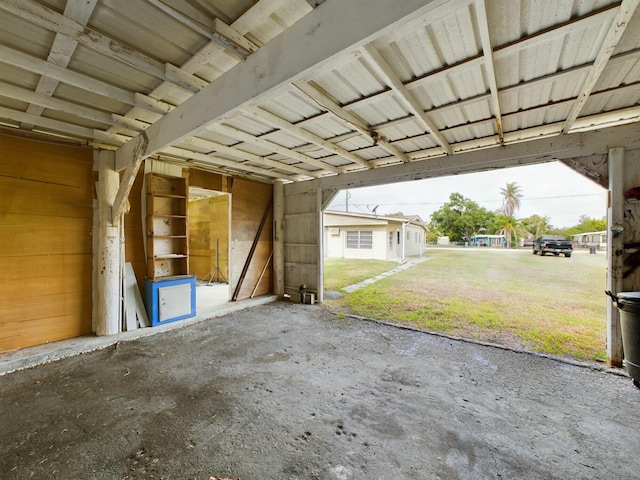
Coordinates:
x,y
287,391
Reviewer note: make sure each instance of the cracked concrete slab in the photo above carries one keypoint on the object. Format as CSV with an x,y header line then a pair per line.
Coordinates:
x,y
288,391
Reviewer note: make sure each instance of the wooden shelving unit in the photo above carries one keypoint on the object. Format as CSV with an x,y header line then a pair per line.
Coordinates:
x,y
167,226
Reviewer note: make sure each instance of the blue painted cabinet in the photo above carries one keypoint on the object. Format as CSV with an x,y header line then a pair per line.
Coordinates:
x,y
170,299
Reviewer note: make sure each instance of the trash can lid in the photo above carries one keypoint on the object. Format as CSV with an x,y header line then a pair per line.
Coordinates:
x,y
631,297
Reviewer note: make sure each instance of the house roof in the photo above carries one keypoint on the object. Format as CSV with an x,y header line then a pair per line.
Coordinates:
x,y
300,89
411,219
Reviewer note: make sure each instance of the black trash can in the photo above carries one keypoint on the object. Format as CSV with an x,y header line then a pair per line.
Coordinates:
x,y
629,305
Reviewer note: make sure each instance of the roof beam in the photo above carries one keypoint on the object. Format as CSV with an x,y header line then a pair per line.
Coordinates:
x,y
617,28
223,162
62,49
539,150
43,101
391,78
35,65
326,102
306,135
242,155
239,48
323,35
238,134
92,39
487,50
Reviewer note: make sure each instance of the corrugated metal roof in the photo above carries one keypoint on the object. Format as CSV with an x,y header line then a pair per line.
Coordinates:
x,y
102,71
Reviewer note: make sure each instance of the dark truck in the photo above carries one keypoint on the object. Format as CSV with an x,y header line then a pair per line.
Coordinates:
x,y
555,244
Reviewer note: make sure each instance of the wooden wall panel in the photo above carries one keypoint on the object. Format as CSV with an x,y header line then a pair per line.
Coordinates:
x,y
46,216
199,238
301,241
248,203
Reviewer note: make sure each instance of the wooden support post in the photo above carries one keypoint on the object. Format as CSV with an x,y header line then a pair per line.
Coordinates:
x,y
278,238
108,282
320,245
615,248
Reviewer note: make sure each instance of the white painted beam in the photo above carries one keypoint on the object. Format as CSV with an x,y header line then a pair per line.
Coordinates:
x,y
207,31
354,121
525,153
391,79
87,37
242,155
41,67
487,49
322,36
62,49
274,147
45,101
618,26
306,135
615,249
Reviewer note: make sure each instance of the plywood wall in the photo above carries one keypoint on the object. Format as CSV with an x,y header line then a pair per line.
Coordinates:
x,y
46,217
248,204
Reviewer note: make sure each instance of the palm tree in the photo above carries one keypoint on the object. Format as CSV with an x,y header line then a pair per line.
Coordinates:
x,y
510,205
534,226
506,225
511,194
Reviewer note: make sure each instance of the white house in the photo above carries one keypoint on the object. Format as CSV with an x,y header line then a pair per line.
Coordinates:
x,y
590,239
359,235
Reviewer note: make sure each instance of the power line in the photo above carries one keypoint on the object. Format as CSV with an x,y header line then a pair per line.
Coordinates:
x,y
477,201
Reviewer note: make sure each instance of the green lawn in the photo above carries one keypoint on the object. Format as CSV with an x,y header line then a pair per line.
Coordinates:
x,y
548,304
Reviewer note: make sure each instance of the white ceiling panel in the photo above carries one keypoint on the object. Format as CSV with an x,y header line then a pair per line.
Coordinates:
x,y
438,81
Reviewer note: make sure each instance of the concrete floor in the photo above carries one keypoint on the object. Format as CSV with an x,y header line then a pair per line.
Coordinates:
x,y
287,391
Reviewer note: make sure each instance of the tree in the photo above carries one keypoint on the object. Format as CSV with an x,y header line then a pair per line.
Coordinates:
x,y
585,224
460,219
510,205
511,194
534,226
506,225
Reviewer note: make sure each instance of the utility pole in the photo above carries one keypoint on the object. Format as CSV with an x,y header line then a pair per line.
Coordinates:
x,y
347,195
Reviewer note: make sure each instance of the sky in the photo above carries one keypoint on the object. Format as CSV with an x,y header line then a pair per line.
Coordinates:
x,y
552,190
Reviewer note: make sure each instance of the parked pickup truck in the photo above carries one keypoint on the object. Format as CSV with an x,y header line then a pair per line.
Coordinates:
x,y
555,244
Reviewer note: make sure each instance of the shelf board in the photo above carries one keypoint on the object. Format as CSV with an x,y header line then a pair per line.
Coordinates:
x,y
170,256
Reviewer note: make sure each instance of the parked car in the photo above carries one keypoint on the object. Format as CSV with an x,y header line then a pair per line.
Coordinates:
x,y
555,244
528,242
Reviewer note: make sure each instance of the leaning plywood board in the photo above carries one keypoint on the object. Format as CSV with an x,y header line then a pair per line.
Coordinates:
x,y
134,307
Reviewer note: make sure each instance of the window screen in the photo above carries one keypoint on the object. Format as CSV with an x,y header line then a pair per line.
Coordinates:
x,y
360,239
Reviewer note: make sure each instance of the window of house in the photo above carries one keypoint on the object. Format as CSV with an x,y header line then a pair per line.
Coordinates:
x,y
360,239
408,235
398,237
390,240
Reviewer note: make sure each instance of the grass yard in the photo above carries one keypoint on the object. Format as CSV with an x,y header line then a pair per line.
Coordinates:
x,y
548,304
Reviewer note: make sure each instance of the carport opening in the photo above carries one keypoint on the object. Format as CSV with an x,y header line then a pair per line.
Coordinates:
x,y
504,285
